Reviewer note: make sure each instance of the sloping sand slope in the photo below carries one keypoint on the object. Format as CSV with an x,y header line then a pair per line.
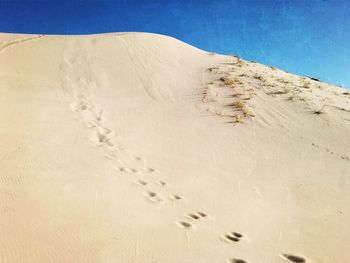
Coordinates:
x,y
140,148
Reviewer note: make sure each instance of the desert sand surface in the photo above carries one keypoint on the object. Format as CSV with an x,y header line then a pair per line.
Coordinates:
x,y
136,147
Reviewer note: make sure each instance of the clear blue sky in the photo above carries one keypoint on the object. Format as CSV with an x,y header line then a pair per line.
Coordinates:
x,y
307,37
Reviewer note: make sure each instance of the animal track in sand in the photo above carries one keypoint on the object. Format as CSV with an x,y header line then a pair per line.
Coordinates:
x,y
141,182
175,197
149,170
236,260
293,258
89,113
161,183
154,197
233,237
196,216
191,216
127,170
185,224
343,157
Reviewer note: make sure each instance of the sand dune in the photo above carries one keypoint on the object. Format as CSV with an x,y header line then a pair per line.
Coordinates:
x,y
140,148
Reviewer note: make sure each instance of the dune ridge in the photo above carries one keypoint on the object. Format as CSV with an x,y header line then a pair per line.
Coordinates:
x,y
137,147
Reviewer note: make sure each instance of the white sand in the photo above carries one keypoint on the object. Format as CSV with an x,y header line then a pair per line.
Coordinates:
x,y
140,148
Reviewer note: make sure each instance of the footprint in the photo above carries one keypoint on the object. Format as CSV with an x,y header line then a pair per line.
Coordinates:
x,y
193,216
237,234
151,194
78,106
121,169
175,197
197,215
202,214
149,170
233,236
161,183
141,182
346,158
293,258
236,260
127,170
154,197
185,224
103,137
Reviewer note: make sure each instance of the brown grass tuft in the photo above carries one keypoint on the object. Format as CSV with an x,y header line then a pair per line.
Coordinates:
x,y
277,92
259,77
230,82
240,104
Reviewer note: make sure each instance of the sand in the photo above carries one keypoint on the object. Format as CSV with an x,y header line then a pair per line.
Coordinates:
x,y
138,147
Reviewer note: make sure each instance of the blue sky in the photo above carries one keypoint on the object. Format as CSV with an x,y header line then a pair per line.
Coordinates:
x,y
306,37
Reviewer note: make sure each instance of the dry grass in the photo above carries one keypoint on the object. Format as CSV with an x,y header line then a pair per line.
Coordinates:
x,y
235,95
242,106
283,81
306,85
212,69
230,82
259,77
277,92
238,119
239,61
295,97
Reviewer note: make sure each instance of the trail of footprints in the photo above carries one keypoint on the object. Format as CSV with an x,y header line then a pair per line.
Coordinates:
x,y
342,156
191,216
152,195
86,111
